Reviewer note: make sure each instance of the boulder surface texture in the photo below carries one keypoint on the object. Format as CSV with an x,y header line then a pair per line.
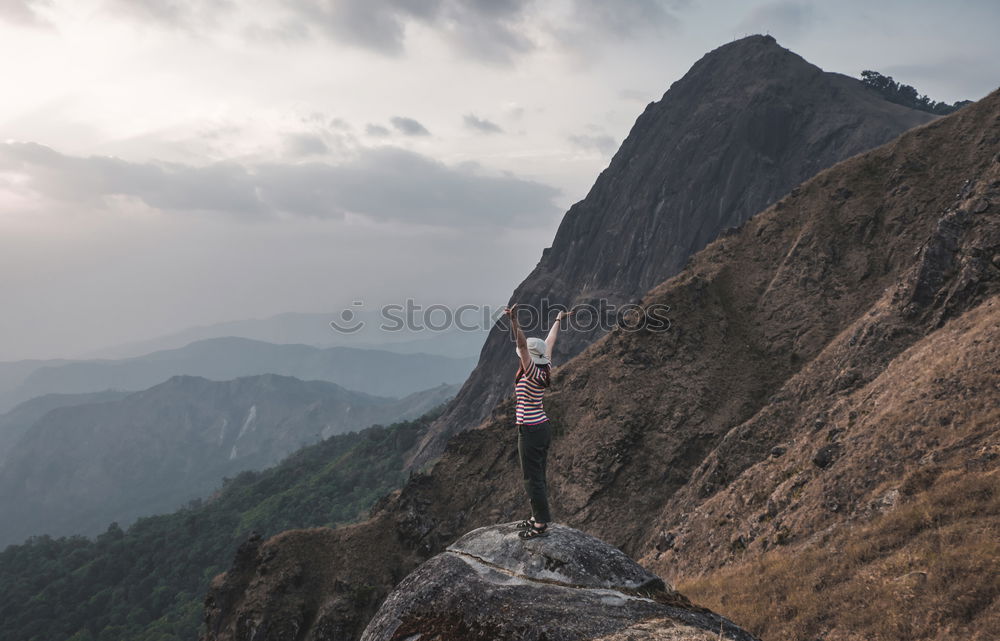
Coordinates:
x,y
566,586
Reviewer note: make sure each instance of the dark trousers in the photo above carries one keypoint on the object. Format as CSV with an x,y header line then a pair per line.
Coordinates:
x,y
533,449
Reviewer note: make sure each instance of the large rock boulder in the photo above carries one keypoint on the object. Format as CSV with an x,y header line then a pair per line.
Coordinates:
x,y
568,586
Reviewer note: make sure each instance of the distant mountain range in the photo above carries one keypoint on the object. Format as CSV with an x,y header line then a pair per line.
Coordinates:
x,y
85,464
15,423
365,370
315,330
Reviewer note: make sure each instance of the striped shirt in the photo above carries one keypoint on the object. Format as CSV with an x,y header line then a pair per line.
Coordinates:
x,y
528,395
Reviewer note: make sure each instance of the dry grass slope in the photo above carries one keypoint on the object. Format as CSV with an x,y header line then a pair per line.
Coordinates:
x,y
924,563
927,571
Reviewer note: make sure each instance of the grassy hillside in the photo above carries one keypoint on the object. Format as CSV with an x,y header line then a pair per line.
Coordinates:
x,y
927,570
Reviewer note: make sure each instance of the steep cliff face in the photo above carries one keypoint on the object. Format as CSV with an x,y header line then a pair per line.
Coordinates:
x,y
748,122
832,371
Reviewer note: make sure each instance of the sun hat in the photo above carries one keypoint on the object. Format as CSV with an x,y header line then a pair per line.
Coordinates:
x,y
537,351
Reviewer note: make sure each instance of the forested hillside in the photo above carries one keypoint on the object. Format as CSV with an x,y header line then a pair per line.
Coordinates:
x,y
147,583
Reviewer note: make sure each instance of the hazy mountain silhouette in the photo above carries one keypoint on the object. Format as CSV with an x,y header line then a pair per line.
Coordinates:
x,y
78,468
371,371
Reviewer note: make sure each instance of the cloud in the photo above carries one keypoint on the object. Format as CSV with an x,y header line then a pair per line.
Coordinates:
x,y
190,15
600,142
488,30
385,184
496,32
24,12
481,125
379,26
225,187
626,18
304,144
376,130
491,31
783,19
409,126
590,26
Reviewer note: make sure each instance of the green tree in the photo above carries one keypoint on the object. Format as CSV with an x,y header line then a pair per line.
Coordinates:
x,y
906,95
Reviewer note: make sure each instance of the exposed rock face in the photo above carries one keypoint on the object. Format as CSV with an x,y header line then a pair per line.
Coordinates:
x,y
568,586
748,122
304,585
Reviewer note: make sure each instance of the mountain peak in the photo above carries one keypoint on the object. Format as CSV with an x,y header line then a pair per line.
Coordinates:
x,y
755,63
746,124
756,44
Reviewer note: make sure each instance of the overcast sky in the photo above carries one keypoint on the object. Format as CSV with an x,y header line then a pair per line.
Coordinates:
x,y
167,163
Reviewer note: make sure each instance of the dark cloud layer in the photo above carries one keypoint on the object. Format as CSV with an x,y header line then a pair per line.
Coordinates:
x,y
377,131
486,29
482,125
409,126
385,184
491,31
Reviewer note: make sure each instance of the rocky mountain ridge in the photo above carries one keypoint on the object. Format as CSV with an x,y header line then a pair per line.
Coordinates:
x,y
748,122
842,343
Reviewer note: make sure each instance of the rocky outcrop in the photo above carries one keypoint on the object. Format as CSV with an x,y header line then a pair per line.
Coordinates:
x,y
748,122
568,586
862,309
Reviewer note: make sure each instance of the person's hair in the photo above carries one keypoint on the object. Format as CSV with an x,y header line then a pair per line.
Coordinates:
x,y
546,374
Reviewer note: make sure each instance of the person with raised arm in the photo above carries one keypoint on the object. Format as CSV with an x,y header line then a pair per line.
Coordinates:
x,y
533,431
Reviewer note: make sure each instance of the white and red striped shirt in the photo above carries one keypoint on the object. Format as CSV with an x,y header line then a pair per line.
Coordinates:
x,y
528,395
